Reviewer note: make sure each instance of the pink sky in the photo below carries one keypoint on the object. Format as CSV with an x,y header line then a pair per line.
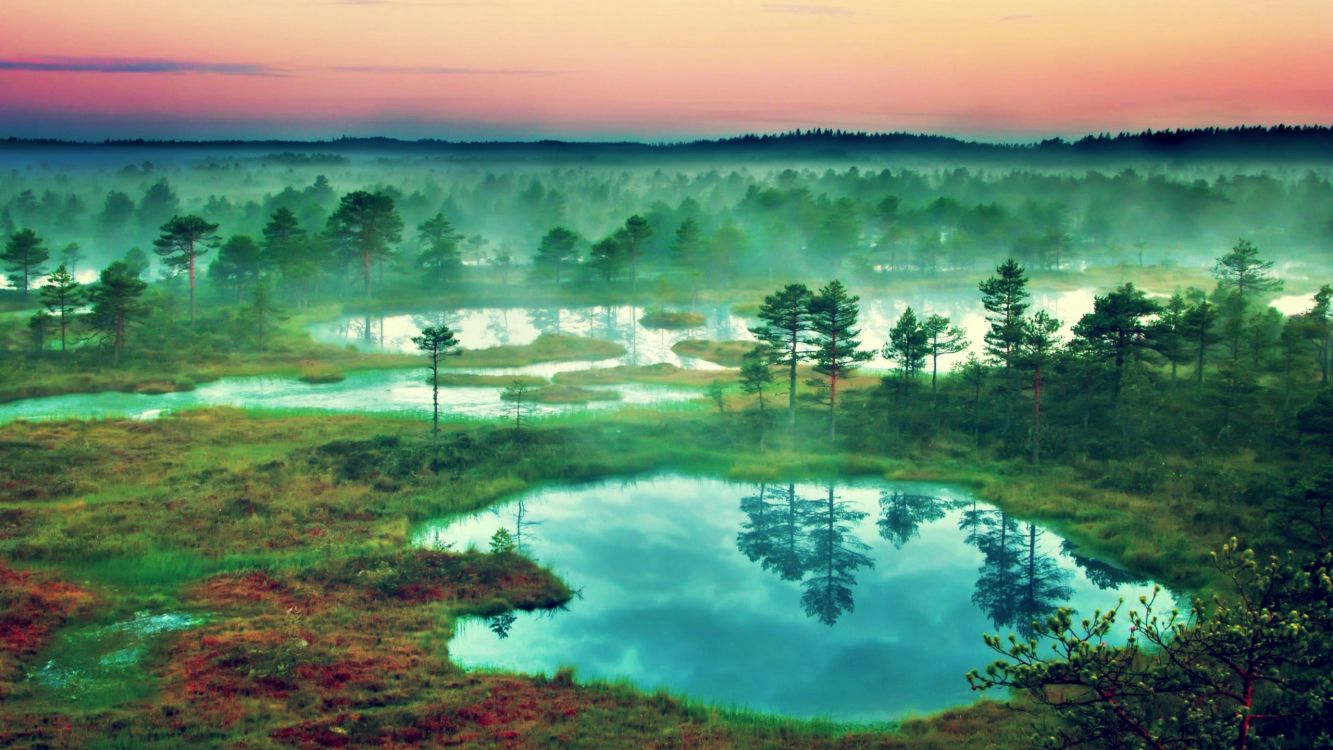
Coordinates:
x,y
656,68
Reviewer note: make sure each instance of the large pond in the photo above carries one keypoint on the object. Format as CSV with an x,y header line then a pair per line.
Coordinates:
x,y
367,391
854,601
479,328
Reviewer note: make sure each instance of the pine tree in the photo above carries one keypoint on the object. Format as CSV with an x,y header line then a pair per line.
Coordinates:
x,y
637,231
365,225
24,257
61,296
441,256
755,373
1243,271
784,325
116,305
183,241
1039,344
436,342
1198,326
907,345
837,351
1005,298
238,263
942,339
558,247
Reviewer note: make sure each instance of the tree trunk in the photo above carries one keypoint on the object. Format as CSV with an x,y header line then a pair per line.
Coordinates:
x,y
1036,416
191,284
791,388
833,389
365,269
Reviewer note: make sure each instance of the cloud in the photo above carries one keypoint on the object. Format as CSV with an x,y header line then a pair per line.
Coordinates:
x,y
133,65
1018,17
443,70
806,9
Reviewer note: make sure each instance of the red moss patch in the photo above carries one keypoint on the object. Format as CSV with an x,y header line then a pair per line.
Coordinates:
x,y
32,605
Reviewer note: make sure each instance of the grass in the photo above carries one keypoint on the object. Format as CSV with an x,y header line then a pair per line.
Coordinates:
x,y
725,353
290,529
563,394
320,372
548,347
671,320
663,373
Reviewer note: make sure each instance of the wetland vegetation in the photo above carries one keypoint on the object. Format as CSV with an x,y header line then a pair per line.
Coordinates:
x,y
744,451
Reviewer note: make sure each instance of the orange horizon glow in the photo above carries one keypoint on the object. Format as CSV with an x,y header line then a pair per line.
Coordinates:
x,y
657,68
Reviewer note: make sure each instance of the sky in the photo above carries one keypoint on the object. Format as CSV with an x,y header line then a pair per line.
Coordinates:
x,y
655,70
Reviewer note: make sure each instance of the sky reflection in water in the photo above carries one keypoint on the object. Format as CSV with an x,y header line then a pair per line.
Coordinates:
x,y
770,597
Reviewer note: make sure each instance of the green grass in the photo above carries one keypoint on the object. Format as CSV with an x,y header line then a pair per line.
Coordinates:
x,y
663,373
563,394
725,353
671,320
548,347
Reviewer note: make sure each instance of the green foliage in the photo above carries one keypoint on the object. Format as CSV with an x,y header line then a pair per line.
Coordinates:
x,y
1251,668
24,257
117,304
1005,298
364,227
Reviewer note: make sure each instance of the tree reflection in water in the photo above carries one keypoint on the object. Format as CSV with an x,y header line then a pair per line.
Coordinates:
x,y
806,540
1017,584
813,541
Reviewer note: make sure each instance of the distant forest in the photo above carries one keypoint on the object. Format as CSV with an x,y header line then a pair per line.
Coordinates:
x,y
1279,143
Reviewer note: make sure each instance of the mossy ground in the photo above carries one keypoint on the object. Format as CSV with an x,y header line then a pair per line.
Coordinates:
x,y
725,353
291,531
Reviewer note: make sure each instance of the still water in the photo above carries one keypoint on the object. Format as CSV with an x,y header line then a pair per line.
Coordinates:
x,y
365,391
859,601
479,328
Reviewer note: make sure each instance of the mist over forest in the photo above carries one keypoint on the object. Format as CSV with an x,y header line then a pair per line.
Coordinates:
x,y
754,211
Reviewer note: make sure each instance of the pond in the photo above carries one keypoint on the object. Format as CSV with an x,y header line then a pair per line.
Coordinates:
x,y
364,391
853,601
479,328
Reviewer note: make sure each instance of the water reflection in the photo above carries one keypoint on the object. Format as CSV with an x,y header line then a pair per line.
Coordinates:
x,y
853,601
1017,584
814,541
478,327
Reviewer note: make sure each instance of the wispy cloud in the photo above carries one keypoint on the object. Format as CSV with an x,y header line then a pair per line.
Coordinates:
x,y
1018,17
806,9
133,65
443,70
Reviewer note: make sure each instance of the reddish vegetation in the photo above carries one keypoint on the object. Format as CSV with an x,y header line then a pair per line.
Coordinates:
x,y
246,590
32,605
